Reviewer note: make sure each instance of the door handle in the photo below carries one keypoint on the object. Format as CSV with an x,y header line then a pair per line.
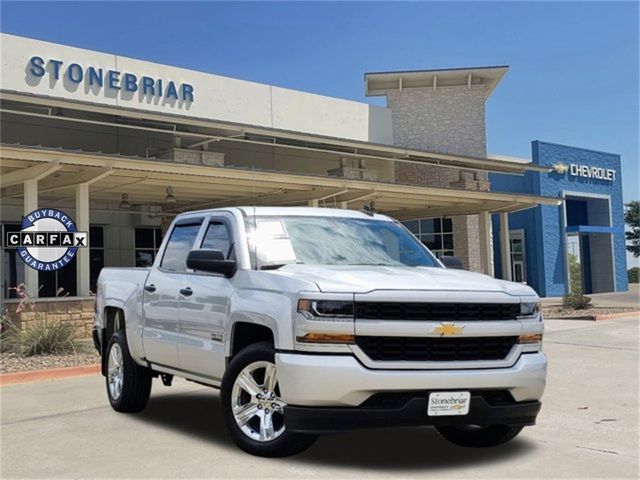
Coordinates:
x,y
186,291
150,288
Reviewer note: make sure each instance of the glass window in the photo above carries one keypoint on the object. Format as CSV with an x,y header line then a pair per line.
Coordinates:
x,y
12,266
426,226
96,255
431,242
66,280
435,233
145,237
179,245
447,241
145,258
518,267
217,238
96,237
413,226
147,243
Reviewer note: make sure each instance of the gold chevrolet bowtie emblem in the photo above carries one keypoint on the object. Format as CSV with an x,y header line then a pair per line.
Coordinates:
x,y
447,329
561,168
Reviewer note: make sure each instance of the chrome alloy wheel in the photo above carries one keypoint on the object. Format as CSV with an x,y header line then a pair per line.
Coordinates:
x,y
115,372
255,399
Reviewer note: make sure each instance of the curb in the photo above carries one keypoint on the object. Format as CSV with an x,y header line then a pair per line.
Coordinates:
x,y
597,318
16,378
614,315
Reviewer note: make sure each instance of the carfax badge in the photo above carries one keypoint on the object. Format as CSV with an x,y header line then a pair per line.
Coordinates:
x,y
48,239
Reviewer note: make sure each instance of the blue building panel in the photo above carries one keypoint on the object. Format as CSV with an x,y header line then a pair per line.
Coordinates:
x,y
591,218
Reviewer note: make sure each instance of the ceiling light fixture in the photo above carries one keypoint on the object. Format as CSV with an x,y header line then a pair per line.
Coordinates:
x,y
124,204
170,198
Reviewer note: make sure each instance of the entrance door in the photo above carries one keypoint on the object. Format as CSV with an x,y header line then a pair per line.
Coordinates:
x,y
518,266
575,264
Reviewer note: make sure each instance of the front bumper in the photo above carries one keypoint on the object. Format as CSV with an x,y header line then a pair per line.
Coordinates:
x,y
308,380
411,412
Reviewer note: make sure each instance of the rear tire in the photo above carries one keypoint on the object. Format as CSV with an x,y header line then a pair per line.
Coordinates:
x,y
479,437
128,384
256,420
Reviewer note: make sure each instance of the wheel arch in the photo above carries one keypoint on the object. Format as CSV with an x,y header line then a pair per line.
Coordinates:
x,y
245,333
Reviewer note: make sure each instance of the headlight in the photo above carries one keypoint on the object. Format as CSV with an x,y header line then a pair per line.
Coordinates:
x,y
529,309
325,309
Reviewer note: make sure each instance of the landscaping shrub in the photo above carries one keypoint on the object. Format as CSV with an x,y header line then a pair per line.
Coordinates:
x,y
38,336
7,332
43,337
576,301
634,274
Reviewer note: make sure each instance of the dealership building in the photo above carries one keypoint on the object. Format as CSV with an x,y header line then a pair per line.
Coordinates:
x,y
123,145
586,230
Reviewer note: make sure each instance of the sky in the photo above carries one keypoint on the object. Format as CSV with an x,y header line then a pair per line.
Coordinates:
x,y
573,76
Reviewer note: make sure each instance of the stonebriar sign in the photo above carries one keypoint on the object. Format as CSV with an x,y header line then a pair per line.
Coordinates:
x,y
98,78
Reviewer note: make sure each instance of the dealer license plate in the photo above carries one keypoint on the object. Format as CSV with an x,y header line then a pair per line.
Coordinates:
x,y
448,403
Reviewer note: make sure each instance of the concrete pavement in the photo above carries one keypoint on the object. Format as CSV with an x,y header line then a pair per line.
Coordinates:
x,y
588,428
630,298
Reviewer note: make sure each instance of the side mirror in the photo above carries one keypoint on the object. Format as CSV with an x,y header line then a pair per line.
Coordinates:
x,y
452,262
213,261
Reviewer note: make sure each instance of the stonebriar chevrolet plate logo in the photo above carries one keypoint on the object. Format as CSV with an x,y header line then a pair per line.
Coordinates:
x,y
48,239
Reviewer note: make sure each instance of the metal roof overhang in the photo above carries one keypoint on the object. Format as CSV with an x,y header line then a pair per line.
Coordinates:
x,y
378,83
59,171
251,134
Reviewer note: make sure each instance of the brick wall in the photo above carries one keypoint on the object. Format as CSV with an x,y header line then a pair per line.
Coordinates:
x,y
78,311
447,120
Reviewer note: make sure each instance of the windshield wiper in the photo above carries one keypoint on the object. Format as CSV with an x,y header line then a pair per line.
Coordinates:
x,y
279,265
273,267
379,265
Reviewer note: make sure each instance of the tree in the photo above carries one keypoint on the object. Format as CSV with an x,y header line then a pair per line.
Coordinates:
x,y
632,219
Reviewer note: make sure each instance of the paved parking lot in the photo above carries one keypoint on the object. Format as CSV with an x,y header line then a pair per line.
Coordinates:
x,y
588,428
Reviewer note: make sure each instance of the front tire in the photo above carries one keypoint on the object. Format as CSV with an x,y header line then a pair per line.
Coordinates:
x,y
479,437
128,384
252,406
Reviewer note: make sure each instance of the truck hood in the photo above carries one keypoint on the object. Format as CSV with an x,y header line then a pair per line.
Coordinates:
x,y
363,279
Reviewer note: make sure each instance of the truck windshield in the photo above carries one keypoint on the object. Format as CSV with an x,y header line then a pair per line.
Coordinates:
x,y
277,241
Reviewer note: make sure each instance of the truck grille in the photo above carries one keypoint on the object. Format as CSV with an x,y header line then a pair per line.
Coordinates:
x,y
436,311
435,349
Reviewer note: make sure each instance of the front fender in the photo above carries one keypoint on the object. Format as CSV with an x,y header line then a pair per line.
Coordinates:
x,y
270,309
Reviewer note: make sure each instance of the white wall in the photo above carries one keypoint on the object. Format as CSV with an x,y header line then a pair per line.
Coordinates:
x,y
215,97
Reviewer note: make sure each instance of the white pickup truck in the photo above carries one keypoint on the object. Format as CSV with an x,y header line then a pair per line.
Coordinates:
x,y
314,320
